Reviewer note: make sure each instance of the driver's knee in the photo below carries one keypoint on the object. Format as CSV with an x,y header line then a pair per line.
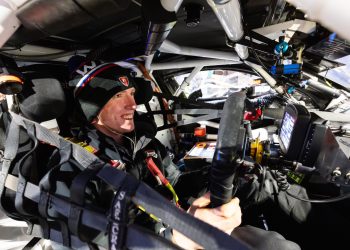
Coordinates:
x,y
261,239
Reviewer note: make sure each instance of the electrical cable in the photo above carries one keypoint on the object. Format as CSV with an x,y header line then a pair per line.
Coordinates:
x,y
263,65
302,91
313,100
255,54
277,96
330,200
325,79
161,178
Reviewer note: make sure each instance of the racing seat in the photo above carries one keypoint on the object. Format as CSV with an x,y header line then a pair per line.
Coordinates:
x,y
45,181
42,97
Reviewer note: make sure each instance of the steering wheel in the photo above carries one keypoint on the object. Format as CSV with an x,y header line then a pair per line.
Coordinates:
x,y
224,163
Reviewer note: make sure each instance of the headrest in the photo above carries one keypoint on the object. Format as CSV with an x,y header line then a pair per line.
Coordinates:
x,y
144,90
42,97
145,125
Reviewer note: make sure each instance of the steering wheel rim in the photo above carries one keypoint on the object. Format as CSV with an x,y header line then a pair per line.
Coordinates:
x,y
224,163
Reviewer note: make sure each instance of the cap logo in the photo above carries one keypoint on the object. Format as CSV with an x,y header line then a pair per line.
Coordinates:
x,y
124,80
86,68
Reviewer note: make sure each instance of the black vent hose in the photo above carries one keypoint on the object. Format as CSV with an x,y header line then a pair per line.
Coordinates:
x,y
224,164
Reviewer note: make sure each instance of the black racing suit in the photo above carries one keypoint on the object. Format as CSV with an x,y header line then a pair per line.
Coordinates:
x,y
109,151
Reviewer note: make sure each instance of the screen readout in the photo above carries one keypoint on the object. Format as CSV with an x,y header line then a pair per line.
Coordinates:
x,y
287,129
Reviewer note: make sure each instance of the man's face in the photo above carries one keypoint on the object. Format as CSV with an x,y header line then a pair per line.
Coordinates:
x,y
118,113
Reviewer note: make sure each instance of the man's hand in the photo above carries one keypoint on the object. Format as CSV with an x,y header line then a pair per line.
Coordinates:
x,y
226,218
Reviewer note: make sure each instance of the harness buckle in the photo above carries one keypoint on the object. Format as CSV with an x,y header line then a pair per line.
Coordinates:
x,y
151,153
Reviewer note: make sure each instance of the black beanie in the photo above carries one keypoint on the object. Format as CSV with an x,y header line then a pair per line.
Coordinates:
x,y
98,86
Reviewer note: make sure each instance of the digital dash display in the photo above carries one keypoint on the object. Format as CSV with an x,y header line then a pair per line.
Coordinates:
x,y
287,130
293,130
